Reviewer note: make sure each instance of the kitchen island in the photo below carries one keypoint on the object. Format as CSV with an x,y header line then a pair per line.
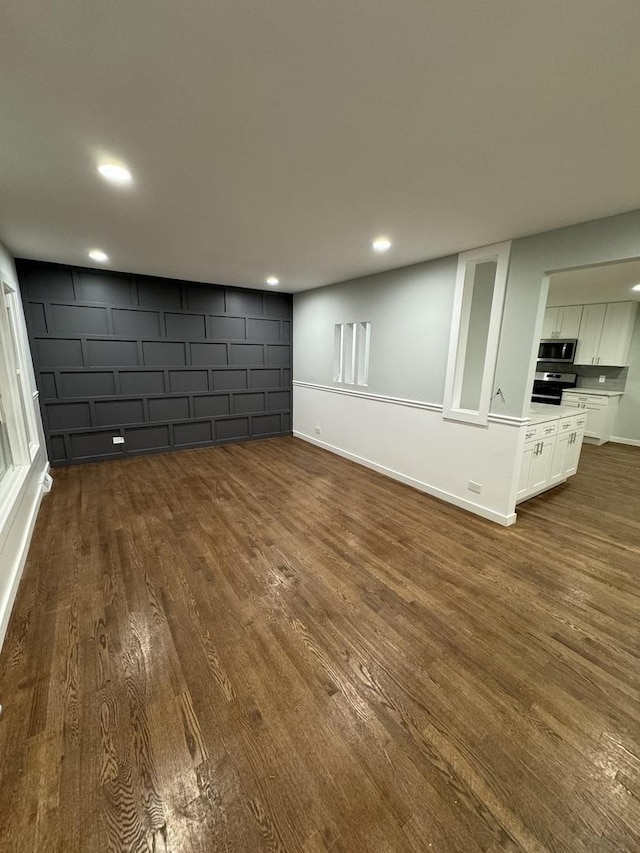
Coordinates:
x,y
551,451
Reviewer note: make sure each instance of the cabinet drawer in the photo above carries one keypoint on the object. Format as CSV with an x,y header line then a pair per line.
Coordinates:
x,y
575,423
590,399
543,430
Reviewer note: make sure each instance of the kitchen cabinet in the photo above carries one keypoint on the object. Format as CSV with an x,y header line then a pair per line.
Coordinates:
x,y
566,453
550,455
600,411
535,470
563,322
604,337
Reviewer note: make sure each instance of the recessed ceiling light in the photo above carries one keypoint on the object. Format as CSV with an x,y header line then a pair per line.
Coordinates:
x,y
115,173
272,280
636,287
98,255
381,244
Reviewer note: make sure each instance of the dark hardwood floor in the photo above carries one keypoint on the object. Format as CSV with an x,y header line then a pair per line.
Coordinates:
x,y
263,647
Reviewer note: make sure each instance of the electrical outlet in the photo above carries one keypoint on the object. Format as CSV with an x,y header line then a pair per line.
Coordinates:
x,y
602,378
475,487
118,439
318,430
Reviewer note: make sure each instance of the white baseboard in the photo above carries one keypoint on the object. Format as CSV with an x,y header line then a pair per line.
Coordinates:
x,y
477,509
634,442
6,606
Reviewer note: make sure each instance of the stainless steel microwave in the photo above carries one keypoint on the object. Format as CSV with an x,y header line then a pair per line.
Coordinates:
x,y
557,350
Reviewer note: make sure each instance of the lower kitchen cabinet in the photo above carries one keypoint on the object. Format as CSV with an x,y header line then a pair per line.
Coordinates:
x,y
551,454
600,411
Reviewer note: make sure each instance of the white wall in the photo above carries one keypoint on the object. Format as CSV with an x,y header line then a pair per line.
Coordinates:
x,y
627,423
410,311
19,514
395,425
615,238
412,443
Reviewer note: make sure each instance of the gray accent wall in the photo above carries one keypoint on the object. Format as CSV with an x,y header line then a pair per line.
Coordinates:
x,y
164,364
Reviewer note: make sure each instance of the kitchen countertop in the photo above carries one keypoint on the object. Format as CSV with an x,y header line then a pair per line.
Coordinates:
x,y
595,391
541,412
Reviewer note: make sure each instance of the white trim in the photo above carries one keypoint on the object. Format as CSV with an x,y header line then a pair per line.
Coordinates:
x,y
491,515
6,605
508,420
467,261
381,398
634,442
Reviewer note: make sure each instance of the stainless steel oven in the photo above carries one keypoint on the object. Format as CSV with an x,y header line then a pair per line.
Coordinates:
x,y
548,387
561,351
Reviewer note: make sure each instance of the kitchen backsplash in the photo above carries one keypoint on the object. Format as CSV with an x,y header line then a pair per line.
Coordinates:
x,y
588,376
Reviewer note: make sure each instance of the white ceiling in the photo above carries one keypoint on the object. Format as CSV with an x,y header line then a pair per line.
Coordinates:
x,y
280,137
608,283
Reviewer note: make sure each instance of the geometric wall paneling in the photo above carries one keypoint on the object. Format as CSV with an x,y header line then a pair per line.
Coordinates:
x,y
103,287
86,384
245,403
279,401
117,412
266,424
263,330
211,405
193,432
208,354
188,380
227,328
245,354
142,381
277,305
265,378
168,408
147,438
161,363
227,380
78,320
127,321
276,354
232,429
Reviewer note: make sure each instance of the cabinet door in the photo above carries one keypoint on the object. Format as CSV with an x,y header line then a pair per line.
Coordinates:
x,y
541,464
596,426
525,470
551,324
559,457
590,333
570,318
617,330
572,453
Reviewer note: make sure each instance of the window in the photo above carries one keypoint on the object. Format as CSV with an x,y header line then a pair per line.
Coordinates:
x,y
351,345
18,426
6,460
26,387
475,331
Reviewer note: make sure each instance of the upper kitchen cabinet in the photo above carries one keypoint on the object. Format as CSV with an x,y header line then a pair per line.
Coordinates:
x,y
605,334
562,322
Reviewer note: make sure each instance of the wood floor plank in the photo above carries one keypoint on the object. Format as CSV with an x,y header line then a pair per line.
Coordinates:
x,y
263,647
